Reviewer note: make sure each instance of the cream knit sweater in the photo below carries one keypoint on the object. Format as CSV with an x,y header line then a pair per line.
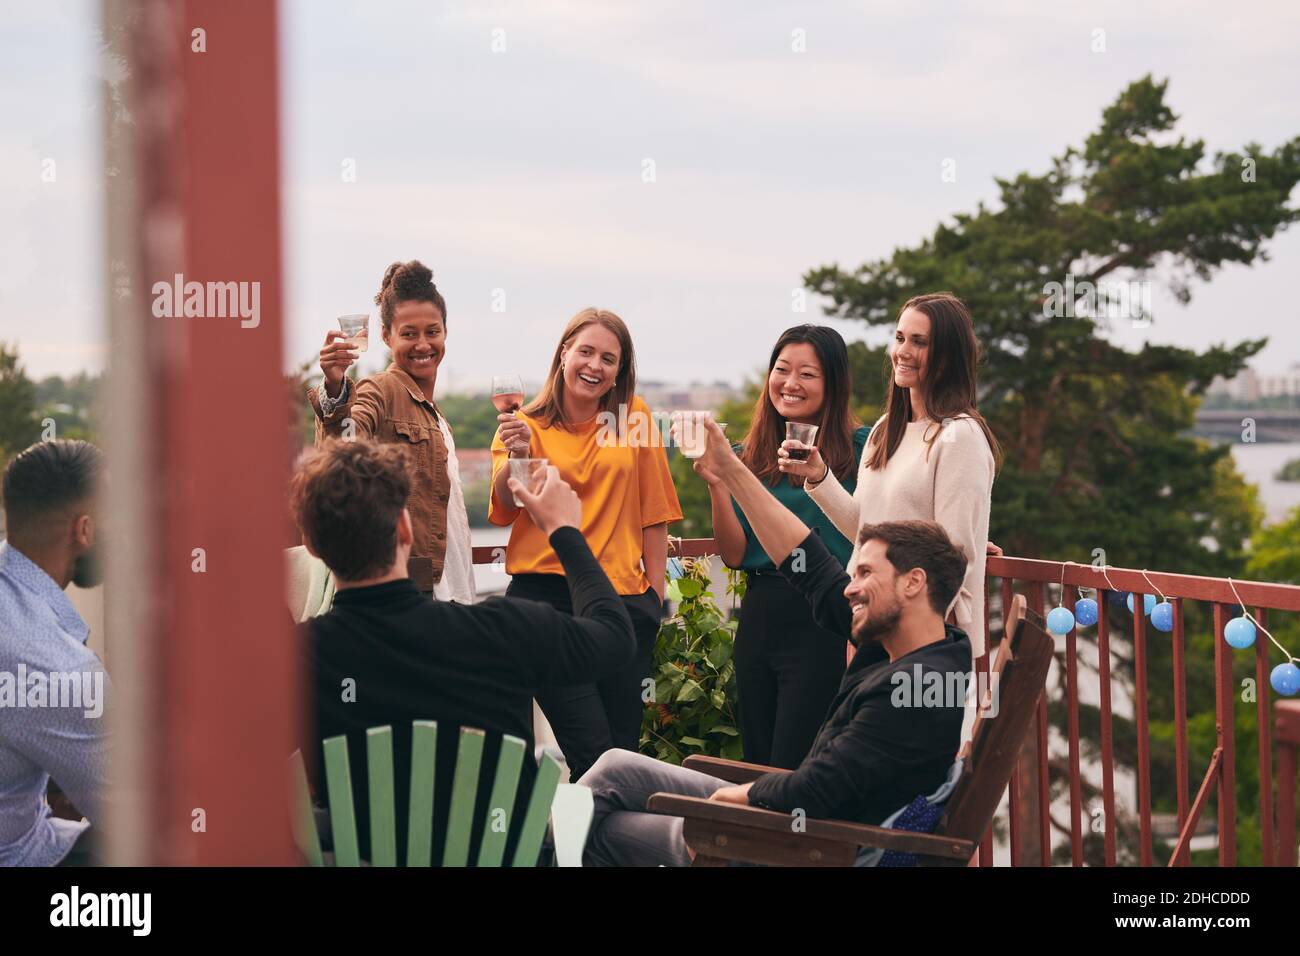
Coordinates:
x,y
950,482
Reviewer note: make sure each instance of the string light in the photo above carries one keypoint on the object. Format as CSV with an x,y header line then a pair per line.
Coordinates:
x,y
1240,633
1060,620
1162,614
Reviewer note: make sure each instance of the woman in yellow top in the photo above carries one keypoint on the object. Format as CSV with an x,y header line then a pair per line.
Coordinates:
x,y
589,423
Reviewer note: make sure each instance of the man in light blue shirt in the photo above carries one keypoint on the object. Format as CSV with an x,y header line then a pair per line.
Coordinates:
x,y
53,689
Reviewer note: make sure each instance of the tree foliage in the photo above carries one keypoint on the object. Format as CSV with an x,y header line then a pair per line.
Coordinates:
x,y
18,422
1096,437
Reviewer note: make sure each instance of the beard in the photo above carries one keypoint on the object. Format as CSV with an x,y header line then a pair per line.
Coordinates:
x,y
876,626
88,568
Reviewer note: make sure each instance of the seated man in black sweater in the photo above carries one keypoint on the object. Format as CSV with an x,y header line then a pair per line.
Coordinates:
x,y
385,654
883,742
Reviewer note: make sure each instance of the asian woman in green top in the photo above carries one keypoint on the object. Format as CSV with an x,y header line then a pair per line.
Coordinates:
x,y
787,668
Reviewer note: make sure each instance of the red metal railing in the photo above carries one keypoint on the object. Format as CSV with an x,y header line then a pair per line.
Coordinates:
x,y
1277,847
1029,794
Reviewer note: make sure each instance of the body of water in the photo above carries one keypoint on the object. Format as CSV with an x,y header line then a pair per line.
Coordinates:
x,y
1259,462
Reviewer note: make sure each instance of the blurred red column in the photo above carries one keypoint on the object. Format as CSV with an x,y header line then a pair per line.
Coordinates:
x,y
210,661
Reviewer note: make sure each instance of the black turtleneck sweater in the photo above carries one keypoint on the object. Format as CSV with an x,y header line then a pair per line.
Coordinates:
x,y
412,658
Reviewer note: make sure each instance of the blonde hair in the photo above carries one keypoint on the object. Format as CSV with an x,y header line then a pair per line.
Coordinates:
x,y
548,406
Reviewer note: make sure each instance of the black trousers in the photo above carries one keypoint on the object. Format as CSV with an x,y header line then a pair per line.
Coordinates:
x,y
589,719
787,672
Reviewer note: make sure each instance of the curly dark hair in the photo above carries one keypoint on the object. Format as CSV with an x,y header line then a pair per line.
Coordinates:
x,y
346,497
407,282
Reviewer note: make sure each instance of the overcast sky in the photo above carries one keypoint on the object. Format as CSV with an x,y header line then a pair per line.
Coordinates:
x,y
523,170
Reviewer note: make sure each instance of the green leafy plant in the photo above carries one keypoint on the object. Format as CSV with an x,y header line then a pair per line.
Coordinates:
x,y
693,710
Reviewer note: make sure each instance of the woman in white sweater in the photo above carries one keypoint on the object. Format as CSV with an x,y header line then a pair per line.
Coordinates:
x,y
931,455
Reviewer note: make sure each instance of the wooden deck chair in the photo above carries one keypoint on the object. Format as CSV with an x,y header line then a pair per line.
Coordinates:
x,y
722,832
419,844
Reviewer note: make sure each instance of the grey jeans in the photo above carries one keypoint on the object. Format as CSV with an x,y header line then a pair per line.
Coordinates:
x,y
623,833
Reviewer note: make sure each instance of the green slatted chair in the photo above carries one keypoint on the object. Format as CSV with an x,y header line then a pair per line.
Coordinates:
x,y
383,821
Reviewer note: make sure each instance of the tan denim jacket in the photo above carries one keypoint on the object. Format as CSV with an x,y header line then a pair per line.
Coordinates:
x,y
390,407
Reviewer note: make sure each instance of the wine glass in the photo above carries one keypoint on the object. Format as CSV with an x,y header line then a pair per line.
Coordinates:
x,y
507,393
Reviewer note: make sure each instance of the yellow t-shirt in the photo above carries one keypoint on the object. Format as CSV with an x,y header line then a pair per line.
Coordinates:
x,y
624,485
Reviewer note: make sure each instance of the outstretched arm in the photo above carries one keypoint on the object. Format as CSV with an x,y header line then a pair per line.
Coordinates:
x,y
775,526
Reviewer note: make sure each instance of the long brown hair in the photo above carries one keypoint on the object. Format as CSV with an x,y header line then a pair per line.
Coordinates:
x,y
834,428
548,406
950,378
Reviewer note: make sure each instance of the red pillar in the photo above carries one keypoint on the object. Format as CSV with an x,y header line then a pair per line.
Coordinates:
x,y
215,657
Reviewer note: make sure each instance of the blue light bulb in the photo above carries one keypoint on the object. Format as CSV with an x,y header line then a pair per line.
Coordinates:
x,y
1285,679
1162,617
1148,602
1239,632
1060,620
1085,612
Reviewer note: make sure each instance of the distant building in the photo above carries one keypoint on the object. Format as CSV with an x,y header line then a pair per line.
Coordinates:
x,y
661,396
1250,386
1243,388
475,464
1286,384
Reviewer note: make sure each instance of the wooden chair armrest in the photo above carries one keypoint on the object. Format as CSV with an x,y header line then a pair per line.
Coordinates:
x,y
732,831
733,771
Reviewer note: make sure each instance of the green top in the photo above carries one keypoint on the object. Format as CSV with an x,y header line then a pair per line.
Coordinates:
x,y
806,510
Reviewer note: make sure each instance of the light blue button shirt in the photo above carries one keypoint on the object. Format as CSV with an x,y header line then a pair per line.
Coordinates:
x,y
53,715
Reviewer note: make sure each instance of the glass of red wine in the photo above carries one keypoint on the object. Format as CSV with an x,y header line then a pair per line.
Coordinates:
x,y
507,393
805,435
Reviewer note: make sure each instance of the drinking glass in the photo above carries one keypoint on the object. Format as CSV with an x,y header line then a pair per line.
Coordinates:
x,y
692,436
529,472
507,393
804,435
357,329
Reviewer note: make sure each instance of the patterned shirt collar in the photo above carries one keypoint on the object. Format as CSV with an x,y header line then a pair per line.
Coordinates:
x,y
20,569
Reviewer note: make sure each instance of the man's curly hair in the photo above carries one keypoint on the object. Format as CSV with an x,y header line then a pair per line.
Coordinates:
x,y
346,497
407,282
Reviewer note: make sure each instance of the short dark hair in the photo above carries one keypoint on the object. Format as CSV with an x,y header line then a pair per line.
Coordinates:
x,y
48,478
407,282
924,545
346,497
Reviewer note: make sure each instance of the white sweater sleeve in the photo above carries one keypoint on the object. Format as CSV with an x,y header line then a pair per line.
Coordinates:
x,y
838,505
963,485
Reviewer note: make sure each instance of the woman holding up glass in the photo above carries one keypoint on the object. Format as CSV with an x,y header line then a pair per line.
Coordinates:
x,y
931,456
787,668
588,422
396,405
